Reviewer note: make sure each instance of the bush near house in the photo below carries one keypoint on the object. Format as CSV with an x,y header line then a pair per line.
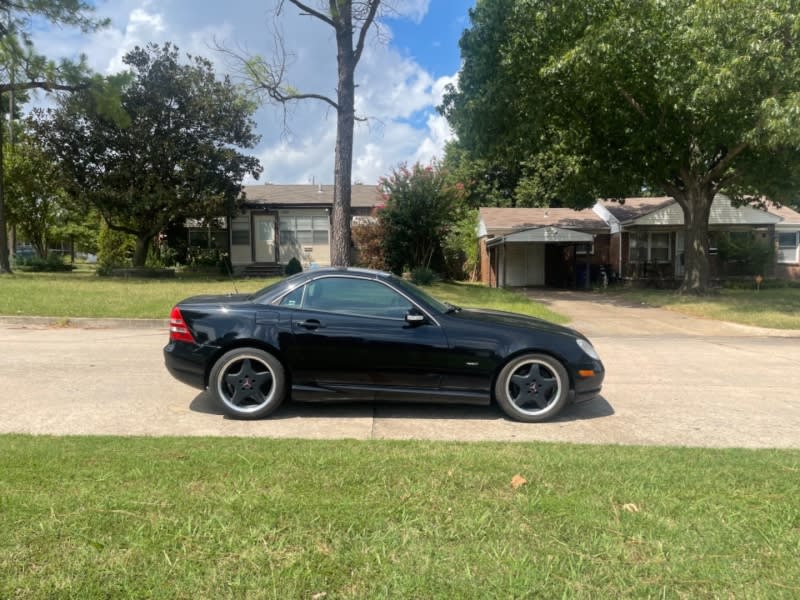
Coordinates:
x,y
421,209
368,241
745,255
293,267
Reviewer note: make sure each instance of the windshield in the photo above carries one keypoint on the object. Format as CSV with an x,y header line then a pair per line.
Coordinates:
x,y
436,305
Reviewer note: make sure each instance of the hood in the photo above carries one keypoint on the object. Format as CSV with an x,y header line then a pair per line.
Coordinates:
x,y
498,317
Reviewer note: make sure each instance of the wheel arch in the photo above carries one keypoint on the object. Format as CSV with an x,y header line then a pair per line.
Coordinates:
x,y
517,353
246,343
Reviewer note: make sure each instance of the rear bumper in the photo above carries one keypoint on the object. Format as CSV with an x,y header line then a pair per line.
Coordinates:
x,y
185,364
587,388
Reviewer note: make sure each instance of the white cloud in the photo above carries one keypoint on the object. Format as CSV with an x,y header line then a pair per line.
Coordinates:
x,y
394,91
411,9
142,27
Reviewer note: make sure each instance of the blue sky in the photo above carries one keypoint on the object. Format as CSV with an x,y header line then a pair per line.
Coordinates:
x,y
402,75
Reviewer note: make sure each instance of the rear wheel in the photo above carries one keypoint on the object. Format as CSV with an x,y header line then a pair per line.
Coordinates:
x,y
248,383
532,388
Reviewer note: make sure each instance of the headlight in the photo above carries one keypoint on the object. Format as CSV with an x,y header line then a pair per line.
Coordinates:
x,y
588,348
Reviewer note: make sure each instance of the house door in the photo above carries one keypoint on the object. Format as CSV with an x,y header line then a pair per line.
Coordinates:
x,y
264,228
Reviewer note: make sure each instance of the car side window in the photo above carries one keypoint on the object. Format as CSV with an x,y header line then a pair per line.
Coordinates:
x,y
353,296
294,298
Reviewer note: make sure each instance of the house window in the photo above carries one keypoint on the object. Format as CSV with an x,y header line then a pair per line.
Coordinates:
x,y
787,247
240,233
304,230
740,237
205,238
583,249
659,247
650,247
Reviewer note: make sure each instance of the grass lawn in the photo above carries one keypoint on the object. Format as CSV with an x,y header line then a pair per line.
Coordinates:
x,y
775,308
83,294
232,518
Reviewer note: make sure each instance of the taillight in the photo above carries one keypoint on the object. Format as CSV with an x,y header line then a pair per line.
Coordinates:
x,y
178,331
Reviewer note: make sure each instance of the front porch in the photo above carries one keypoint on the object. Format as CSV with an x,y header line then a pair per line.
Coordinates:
x,y
263,241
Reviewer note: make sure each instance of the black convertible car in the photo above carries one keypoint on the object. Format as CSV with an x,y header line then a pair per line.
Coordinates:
x,y
354,334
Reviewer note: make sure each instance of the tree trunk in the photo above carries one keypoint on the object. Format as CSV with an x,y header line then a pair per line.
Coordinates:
x,y
5,262
345,122
696,205
140,252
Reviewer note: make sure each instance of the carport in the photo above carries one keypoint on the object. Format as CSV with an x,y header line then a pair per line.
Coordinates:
x,y
535,256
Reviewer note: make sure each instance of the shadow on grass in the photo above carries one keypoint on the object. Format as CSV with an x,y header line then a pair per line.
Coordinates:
x,y
582,411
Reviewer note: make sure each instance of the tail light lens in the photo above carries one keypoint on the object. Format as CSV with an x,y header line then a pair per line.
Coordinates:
x,y
178,331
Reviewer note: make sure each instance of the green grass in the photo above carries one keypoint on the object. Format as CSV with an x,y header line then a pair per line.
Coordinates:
x,y
86,295
232,518
474,295
777,308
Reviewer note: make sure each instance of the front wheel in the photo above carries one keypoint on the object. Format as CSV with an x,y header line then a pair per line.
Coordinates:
x,y
248,383
532,388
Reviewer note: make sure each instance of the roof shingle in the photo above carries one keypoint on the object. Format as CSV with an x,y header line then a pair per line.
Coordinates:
x,y
498,220
307,194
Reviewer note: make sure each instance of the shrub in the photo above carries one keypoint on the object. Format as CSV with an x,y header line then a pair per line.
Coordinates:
x,y
293,267
420,209
52,264
461,252
422,276
368,241
115,249
745,255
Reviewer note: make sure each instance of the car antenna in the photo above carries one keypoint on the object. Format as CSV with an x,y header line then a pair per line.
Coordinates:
x,y
228,268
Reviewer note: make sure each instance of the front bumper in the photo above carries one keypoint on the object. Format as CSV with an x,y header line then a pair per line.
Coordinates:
x,y
587,388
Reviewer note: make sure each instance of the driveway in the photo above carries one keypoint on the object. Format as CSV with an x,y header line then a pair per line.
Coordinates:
x,y
670,380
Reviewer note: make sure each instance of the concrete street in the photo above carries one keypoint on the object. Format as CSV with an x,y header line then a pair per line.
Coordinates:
x,y
671,380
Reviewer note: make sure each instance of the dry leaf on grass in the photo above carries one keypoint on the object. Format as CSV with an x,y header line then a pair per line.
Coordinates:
x,y
518,481
630,507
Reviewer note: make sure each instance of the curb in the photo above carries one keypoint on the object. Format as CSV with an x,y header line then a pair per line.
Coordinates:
x,y
85,322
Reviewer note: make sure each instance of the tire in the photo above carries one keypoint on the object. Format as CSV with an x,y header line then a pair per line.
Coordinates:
x,y
248,383
532,388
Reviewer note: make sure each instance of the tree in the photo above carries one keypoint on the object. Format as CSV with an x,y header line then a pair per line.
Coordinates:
x,y
35,198
420,208
486,183
350,21
177,158
23,69
599,98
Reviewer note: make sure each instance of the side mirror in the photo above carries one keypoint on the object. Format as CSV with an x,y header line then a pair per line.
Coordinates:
x,y
414,318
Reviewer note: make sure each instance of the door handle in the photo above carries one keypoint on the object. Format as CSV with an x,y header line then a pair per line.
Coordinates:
x,y
310,324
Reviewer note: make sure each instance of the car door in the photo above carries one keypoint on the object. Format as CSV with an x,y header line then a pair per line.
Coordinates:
x,y
350,334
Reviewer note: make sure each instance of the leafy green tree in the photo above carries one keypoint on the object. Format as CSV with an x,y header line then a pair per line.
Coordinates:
x,y
35,199
178,156
420,208
23,69
461,250
604,98
485,183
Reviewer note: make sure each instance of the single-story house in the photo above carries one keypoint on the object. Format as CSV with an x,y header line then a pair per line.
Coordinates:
x,y
279,222
640,238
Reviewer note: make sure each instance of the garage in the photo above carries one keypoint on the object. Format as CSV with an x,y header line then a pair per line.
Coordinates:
x,y
539,256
